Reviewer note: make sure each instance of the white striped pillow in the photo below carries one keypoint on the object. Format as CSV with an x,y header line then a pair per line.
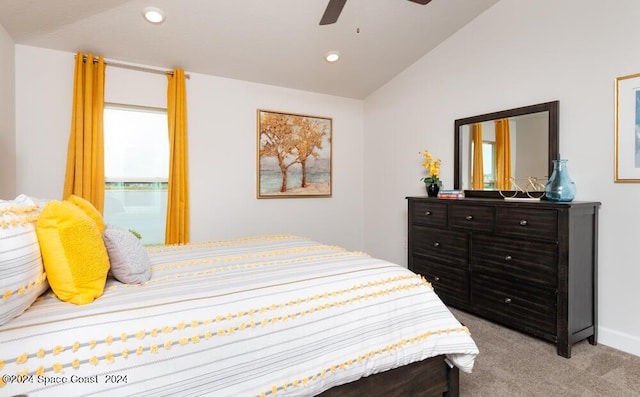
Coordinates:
x,y
22,276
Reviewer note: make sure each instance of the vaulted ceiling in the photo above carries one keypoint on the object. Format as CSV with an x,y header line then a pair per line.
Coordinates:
x,y
277,42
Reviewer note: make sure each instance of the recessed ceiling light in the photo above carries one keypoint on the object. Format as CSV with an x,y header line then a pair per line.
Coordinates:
x,y
332,56
153,14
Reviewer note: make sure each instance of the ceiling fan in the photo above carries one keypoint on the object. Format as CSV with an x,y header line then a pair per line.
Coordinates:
x,y
334,8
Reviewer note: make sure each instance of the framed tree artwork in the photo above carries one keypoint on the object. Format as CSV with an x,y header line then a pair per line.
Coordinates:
x,y
294,155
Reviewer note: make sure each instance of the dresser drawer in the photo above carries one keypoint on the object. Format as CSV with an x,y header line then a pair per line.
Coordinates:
x,y
514,304
467,217
526,222
444,246
431,213
534,262
451,284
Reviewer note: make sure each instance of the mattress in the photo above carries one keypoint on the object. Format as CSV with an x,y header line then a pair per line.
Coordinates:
x,y
257,316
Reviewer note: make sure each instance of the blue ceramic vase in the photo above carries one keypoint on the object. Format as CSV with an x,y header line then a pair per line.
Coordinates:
x,y
560,187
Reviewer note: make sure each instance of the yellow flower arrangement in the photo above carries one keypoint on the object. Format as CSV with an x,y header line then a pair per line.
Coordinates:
x,y
433,168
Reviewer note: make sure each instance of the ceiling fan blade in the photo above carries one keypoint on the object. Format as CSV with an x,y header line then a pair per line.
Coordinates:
x,y
331,14
423,2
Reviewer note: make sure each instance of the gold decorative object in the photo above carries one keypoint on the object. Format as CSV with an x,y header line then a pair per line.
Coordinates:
x,y
533,188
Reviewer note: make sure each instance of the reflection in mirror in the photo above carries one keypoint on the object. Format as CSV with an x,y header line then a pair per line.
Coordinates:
x,y
529,138
501,150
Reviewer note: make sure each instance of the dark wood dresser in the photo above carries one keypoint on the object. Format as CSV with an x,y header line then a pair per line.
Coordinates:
x,y
531,266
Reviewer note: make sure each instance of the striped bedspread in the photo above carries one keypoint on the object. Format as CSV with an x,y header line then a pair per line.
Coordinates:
x,y
257,316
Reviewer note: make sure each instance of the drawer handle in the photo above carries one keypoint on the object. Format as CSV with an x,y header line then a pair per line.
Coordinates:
x,y
427,213
508,258
469,217
436,278
507,300
436,244
523,223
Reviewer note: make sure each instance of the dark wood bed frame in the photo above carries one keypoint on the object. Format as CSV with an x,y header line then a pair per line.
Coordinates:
x,y
428,378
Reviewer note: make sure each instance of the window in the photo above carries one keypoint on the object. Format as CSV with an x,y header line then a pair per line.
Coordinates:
x,y
488,155
136,162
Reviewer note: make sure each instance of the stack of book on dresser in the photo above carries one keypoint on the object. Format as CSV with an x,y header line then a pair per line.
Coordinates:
x,y
451,194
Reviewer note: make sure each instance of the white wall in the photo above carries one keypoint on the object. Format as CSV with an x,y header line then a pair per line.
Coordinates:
x,y
519,52
222,139
44,86
7,117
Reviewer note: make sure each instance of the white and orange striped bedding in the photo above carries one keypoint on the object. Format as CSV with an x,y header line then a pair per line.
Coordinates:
x,y
257,316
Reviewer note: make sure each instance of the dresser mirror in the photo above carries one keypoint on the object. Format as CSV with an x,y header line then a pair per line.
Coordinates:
x,y
530,136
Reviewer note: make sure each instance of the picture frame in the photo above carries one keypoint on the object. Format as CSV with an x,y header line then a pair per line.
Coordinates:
x,y
627,129
294,155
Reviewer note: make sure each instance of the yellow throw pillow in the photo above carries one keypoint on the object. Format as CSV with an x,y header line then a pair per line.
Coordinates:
x,y
73,252
88,208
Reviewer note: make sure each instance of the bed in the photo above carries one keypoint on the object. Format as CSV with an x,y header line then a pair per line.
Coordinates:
x,y
273,315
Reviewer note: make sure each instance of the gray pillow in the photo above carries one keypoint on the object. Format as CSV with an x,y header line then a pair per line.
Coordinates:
x,y
129,258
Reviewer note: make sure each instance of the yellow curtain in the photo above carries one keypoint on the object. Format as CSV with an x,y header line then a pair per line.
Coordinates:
x,y
503,155
478,169
85,154
177,228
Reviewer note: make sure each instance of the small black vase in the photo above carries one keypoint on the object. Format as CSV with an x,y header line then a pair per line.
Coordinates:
x,y
432,189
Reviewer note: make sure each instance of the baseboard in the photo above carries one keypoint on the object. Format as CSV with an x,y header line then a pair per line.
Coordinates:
x,y
619,340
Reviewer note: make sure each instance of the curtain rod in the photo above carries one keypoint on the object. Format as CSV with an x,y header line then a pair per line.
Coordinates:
x,y
134,67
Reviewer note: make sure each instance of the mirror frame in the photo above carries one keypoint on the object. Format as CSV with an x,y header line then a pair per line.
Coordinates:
x,y
553,147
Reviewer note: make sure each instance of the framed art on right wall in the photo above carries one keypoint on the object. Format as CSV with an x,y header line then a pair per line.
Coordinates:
x,y
627,129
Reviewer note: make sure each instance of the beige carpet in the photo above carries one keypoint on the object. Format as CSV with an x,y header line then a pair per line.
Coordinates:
x,y
513,364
